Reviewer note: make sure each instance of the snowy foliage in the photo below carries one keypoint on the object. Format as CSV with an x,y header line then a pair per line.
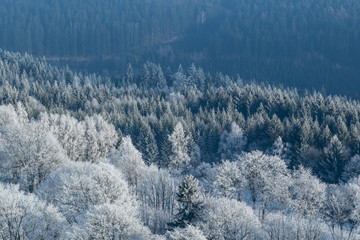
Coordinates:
x,y
280,149
351,169
278,226
229,181
157,196
308,192
205,161
190,202
24,216
129,161
179,160
232,143
339,209
267,180
76,187
188,233
336,157
225,218
111,221
87,140
28,153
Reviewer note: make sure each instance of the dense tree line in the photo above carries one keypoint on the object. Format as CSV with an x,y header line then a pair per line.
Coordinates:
x,y
172,155
311,44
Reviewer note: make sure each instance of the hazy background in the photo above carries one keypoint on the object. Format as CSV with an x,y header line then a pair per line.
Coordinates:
x,y
313,44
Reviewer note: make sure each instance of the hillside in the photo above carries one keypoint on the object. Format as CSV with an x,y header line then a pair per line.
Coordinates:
x,y
304,44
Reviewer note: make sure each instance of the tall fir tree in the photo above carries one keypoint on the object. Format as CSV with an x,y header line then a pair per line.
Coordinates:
x,y
190,202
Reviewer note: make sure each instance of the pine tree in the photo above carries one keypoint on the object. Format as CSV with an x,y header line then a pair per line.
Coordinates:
x,y
190,202
336,157
147,144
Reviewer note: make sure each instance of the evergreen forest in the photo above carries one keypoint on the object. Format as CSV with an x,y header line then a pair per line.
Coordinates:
x,y
179,120
182,154
311,44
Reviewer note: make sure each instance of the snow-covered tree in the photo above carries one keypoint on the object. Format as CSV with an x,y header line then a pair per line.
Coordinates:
x,y
196,77
190,202
308,192
282,227
179,159
147,144
8,115
153,76
129,161
69,132
229,182
28,153
76,187
280,149
111,221
188,233
336,157
232,143
267,181
338,210
353,197
100,138
88,140
24,216
180,80
224,218
157,196
351,169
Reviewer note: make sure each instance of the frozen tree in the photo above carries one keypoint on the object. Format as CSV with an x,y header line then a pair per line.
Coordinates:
x,y
129,77
24,216
180,80
338,210
352,169
179,159
111,221
157,195
267,180
195,156
188,233
281,227
87,140
353,194
232,143
196,77
336,156
8,115
280,149
308,192
190,202
224,218
153,76
100,137
308,156
129,161
28,153
69,132
76,187
147,144
229,182
206,175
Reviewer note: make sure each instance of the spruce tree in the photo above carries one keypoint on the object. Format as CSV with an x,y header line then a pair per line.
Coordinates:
x,y
333,164
190,202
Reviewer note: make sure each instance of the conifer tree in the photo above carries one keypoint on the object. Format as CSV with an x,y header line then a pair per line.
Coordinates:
x,y
336,157
190,202
179,159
